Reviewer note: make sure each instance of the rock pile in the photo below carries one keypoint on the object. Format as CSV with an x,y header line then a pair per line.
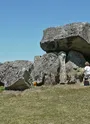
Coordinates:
x,y
67,48
16,75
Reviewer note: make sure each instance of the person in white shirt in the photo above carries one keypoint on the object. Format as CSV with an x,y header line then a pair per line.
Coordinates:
x,y
87,69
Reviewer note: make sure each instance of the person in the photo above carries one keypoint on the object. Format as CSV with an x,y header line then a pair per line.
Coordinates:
x,y
87,69
86,73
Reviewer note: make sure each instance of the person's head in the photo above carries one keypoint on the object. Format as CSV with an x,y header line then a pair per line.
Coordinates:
x,y
87,64
86,78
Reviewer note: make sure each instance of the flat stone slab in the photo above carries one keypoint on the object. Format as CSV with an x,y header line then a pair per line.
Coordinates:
x,y
74,36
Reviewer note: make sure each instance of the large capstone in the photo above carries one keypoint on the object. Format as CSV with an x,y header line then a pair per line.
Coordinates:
x,y
75,36
15,75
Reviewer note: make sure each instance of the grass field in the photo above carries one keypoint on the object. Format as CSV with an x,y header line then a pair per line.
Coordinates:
x,y
46,105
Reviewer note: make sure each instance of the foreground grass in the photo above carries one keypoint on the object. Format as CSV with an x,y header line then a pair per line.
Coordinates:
x,y
46,105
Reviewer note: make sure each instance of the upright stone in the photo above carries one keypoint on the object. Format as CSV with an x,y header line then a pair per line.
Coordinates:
x,y
62,59
46,69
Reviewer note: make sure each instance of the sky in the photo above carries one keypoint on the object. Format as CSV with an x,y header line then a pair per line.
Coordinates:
x,y
22,23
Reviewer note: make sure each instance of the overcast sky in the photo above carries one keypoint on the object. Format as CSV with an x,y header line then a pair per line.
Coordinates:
x,y
22,23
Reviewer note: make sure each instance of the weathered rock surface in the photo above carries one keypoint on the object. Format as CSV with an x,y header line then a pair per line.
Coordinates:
x,y
74,73
71,72
77,58
62,72
75,36
46,69
15,75
74,67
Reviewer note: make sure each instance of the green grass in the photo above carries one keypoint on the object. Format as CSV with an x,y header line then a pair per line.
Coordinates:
x,y
2,88
46,105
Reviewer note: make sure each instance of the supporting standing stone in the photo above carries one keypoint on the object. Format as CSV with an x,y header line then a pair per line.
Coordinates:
x,y
46,69
62,59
